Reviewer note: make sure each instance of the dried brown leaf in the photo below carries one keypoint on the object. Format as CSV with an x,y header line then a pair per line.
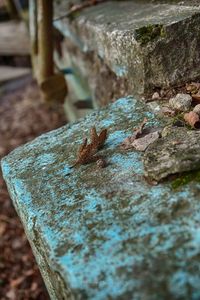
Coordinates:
x,y
102,138
193,87
82,147
127,143
139,131
196,96
34,286
29,272
98,140
11,294
192,119
87,152
16,282
94,136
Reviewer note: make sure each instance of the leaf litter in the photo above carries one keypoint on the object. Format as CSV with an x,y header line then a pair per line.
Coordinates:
x,y
141,138
23,116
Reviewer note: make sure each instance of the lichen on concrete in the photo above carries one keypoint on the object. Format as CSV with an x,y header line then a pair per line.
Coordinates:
x,y
105,233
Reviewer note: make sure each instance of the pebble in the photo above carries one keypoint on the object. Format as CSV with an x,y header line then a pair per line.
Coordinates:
x,y
166,111
192,118
101,163
197,109
182,102
155,96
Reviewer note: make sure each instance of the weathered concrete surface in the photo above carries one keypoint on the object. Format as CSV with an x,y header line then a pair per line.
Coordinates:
x,y
105,233
148,44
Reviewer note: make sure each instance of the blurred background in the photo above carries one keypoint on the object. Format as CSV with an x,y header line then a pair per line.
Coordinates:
x,y
24,115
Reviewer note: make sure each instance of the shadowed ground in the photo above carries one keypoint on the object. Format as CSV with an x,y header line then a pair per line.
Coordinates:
x,y
23,116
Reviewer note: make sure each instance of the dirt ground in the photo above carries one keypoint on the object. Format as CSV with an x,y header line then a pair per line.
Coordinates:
x,y
23,116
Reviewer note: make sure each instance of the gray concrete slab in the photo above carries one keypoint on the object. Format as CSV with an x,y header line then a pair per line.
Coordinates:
x,y
148,44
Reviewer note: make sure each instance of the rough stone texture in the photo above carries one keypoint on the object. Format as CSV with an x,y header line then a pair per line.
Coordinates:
x,y
105,233
181,2
197,109
176,152
181,102
148,44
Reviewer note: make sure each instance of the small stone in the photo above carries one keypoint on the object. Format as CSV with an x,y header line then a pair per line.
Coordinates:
x,y
193,87
155,96
182,102
11,294
197,109
192,119
101,163
166,111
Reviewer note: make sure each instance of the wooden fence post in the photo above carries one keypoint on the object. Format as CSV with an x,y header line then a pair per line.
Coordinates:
x,y
45,39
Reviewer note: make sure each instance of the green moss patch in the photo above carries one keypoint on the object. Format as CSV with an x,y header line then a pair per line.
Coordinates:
x,y
148,33
186,178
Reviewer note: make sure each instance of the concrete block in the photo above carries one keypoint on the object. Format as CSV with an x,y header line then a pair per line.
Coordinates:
x,y
146,44
105,233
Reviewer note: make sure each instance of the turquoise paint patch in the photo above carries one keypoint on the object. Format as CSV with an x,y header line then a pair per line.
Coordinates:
x,y
107,231
107,123
5,167
128,162
45,159
115,139
120,71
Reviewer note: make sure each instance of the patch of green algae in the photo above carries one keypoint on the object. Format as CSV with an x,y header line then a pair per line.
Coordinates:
x,y
148,33
186,178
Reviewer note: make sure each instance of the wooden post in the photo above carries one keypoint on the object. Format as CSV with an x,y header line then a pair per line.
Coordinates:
x,y
53,86
45,39
33,34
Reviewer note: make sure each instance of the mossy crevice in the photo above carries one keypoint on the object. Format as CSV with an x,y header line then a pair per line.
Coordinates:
x,y
150,32
185,178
